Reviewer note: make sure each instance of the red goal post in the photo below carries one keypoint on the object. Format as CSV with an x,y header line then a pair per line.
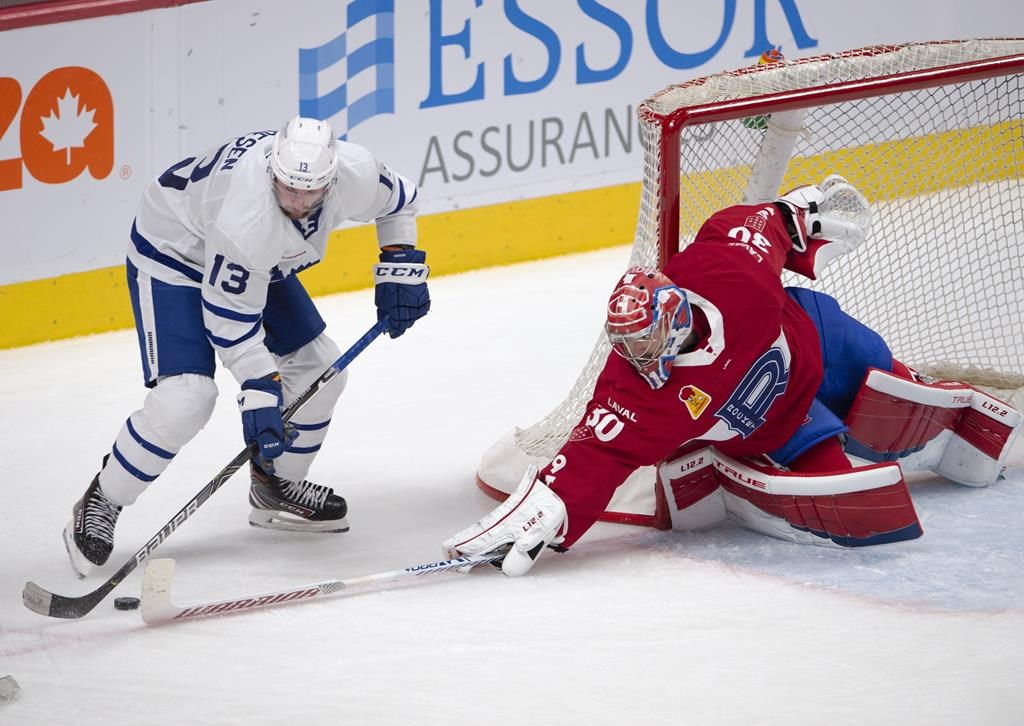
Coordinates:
x,y
932,133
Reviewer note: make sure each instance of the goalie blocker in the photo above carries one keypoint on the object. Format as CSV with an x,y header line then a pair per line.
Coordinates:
x,y
957,431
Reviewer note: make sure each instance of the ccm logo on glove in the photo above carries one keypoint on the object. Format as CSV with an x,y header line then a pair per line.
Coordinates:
x,y
401,294
382,272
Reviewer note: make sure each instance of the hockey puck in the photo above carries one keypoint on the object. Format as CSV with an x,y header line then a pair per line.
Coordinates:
x,y
126,603
9,689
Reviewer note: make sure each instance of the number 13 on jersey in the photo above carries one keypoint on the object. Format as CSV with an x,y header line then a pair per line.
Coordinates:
x,y
237,280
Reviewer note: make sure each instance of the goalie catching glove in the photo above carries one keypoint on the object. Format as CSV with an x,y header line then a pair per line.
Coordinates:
x,y
532,518
824,222
401,292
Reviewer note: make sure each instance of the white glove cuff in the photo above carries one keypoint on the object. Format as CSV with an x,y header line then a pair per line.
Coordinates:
x,y
251,400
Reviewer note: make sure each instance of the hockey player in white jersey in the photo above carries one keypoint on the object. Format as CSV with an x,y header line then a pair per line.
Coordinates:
x,y
211,266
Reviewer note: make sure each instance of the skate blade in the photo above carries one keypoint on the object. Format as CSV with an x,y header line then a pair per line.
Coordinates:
x,y
79,564
289,523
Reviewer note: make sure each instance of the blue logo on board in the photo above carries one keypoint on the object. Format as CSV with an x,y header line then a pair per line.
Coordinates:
x,y
370,64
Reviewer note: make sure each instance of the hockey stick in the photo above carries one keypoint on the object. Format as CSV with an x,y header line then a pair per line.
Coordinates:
x,y
156,589
44,602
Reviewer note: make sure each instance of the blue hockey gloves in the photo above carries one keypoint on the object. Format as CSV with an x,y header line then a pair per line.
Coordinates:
x,y
260,403
401,293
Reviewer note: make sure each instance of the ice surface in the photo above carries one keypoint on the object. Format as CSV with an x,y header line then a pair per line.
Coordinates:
x,y
632,626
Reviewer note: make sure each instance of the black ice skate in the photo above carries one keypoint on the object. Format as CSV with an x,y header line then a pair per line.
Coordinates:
x,y
89,536
294,506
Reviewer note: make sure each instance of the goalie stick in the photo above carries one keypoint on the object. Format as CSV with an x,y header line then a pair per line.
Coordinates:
x,y
44,602
157,607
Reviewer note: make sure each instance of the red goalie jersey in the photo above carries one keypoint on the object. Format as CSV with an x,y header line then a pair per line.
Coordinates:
x,y
745,388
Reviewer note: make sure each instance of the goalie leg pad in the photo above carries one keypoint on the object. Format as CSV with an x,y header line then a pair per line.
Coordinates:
x,y
868,505
949,427
690,491
893,418
981,441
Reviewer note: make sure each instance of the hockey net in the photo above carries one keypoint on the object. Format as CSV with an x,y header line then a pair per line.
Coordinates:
x,y
931,133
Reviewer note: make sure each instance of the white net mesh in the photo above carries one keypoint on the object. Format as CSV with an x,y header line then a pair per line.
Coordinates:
x,y
940,275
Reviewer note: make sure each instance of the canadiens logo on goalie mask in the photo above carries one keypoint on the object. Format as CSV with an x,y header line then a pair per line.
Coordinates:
x,y
647,322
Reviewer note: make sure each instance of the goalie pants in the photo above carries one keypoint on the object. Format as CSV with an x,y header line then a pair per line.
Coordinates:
x,y
848,349
181,400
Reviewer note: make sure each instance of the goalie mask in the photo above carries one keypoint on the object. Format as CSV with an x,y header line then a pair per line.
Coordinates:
x,y
648,321
303,164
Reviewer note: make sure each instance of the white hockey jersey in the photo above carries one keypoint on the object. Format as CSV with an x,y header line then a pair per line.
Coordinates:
x,y
212,221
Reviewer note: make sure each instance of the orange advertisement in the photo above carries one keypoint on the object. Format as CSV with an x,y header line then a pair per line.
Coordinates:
x,y
66,126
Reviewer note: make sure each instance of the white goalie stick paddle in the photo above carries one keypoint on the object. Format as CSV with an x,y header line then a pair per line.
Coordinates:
x,y
156,589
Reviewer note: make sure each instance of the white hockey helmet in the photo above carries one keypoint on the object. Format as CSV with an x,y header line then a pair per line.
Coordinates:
x,y
303,155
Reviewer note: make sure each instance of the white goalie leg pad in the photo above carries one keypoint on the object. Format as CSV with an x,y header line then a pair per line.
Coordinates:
x,y
298,371
976,453
174,411
692,492
530,519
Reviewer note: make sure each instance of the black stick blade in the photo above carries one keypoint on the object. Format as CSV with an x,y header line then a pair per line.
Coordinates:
x,y
44,602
